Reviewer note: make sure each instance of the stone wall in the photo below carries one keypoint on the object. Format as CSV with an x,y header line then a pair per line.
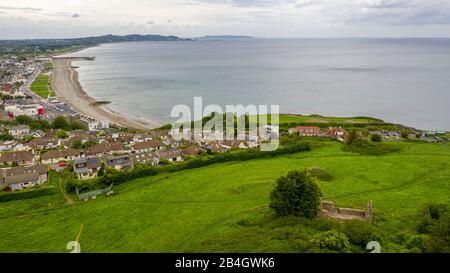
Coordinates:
x,y
328,209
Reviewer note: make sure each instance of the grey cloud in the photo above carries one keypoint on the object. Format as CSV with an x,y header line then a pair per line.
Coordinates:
x,y
64,14
305,4
249,3
150,22
390,4
392,12
20,8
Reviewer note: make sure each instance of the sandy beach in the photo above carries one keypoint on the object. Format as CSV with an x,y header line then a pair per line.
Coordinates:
x,y
68,88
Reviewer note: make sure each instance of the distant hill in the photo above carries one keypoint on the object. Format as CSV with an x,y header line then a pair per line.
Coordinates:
x,y
91,40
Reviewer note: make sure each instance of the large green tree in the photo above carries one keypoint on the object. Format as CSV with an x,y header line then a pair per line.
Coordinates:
x,y
297,194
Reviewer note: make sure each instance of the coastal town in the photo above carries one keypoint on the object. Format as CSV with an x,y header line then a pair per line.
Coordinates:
x,y
42,132
215,136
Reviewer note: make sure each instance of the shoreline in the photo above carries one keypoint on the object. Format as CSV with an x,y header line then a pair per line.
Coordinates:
x,y
66,84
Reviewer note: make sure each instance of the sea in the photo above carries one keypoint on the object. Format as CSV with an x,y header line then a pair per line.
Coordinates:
x,y
405,81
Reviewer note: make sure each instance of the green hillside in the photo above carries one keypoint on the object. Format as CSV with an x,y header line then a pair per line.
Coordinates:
x,y
224,207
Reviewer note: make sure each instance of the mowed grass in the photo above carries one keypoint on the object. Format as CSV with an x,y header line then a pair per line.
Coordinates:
x,y
200,209
41,86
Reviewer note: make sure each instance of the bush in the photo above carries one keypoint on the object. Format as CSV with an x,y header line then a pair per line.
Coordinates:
x,y
417,242
405,134
6,137
376,138
360,232
439,240
321,174
60,123
35,124
27,193
429,215
77,144
332,240
364,147
62,134
296,194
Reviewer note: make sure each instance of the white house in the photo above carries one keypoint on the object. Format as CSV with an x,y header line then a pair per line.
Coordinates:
x,y
19,130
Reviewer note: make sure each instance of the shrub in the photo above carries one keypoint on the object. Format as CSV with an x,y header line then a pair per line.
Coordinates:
x,y
62,134
6,137
77,144
60,123
27,193
439,240
297,194
354,135
428,216
405,134
417,242
375,138
332,240
320,174
360,232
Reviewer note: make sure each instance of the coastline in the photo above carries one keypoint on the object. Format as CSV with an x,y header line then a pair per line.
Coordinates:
x,y
67,87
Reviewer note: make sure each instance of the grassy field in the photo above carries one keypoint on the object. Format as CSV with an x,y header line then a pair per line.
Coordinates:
x,y
41,86
319,119
316,119
224,207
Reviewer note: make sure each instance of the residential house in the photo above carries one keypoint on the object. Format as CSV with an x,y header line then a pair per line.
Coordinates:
x,y
145,158
105,149
216,147
17,157
119,163
19,130
12,145
147,146
235,144
126,138
336,132
56,156
7,145
192,150
170,141
161,134
171,155
141,137
86,168
23,177
306,130
83,138
47,143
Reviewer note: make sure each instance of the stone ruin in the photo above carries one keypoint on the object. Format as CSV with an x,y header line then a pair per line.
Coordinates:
x,y
328,209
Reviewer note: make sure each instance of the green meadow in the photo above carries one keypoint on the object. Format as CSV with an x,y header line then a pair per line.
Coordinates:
x,y
41,86
224,207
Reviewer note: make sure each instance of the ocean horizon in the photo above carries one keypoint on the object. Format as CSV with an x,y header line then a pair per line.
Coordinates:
x,y
402,81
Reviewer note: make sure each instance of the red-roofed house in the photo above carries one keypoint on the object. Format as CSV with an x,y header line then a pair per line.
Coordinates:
x,y
306,130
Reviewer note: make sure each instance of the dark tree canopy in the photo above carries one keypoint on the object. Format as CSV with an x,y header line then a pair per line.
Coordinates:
x,y
297,194
60,123
376,138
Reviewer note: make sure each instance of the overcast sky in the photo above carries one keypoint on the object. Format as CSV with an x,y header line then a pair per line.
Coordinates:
x,y
192,18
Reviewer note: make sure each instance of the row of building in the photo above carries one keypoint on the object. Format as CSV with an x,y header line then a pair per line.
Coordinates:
x,y
116,150
338,133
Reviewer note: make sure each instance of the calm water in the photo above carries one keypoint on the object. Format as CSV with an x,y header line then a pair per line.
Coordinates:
x,y
404,81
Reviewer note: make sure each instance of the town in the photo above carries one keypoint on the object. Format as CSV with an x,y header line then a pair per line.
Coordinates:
x,y
40,133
